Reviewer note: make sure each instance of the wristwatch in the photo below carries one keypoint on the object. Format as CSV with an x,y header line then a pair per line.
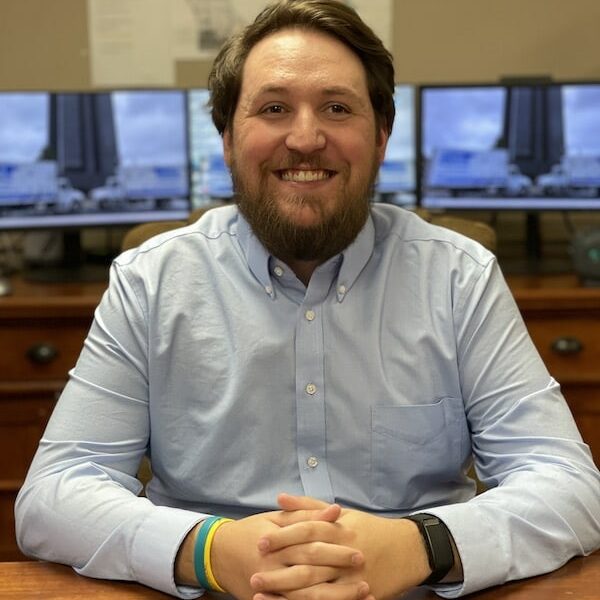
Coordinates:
x,y
437,543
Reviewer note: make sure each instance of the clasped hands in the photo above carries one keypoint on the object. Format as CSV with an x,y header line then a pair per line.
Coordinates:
x,y
312,550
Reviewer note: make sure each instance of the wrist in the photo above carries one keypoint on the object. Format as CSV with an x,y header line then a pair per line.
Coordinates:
x,y
219,557
436,540
203,553
184,562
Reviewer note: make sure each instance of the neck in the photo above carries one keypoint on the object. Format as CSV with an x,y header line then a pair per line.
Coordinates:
x,y
303,269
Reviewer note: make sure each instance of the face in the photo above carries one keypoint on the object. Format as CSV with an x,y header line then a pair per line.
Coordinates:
x,y
303,149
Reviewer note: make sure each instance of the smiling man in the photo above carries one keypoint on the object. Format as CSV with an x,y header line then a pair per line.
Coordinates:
x,y
311,375
304,146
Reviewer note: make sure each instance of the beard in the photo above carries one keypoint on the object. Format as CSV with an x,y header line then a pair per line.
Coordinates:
x,y
287,239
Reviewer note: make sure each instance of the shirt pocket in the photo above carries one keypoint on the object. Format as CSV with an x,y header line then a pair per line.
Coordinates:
x,y
414,450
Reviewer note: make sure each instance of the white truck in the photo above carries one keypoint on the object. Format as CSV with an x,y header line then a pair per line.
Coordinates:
x,y
573,176
489,172
141,186
37,186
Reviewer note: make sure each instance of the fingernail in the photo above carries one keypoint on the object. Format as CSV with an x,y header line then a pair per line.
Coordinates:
x,y
357,559
255,581
263,545
363,589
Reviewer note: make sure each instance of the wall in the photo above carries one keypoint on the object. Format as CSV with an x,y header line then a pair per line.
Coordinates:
x,y
44,45
437,41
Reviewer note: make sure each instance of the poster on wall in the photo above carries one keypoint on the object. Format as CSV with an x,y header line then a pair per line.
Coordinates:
x,y
137,42
215,20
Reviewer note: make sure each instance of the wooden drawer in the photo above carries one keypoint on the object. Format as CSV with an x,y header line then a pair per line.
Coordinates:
x,y
8,544
24,413
569,346
40,350
22,423
584,401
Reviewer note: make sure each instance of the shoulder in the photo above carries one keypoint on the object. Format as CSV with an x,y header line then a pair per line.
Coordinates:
x,y
405,231
217,226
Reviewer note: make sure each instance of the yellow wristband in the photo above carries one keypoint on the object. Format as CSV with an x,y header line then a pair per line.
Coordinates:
x,y
207,547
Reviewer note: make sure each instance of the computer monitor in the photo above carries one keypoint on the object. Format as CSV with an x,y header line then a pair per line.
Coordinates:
x,y
516,146
69,161
211,181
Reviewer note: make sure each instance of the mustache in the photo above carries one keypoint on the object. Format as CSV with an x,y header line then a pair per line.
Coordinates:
x,y
295,159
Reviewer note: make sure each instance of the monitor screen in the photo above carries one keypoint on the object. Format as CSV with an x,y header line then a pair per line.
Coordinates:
x,y
87,159
211,181
520,147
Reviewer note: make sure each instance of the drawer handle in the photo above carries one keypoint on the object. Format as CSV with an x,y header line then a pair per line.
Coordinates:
x,y
42,354
567,346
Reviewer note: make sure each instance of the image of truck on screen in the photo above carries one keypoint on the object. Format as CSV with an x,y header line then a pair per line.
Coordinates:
x,y
37,186
142,187
452,171
574,176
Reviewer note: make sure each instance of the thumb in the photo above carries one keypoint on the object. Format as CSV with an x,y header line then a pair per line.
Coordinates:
x,y
291,502
321,511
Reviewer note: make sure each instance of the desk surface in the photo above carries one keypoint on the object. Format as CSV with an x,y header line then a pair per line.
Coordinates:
x,y
577,580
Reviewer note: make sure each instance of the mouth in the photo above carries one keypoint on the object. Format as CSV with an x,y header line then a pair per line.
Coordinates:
x,y
304,175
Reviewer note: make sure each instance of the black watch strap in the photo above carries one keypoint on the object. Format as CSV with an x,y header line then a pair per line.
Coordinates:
x,y
437,542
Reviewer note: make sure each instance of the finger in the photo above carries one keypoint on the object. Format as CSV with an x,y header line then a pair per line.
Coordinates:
x,y
331,591
330,513
292,578
320,553
292,502
301,533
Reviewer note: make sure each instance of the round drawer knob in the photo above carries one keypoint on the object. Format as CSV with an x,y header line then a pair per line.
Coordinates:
x,y
42,354
567,345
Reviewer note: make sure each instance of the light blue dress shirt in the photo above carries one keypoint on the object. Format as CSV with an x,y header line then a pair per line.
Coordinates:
x,y
373,387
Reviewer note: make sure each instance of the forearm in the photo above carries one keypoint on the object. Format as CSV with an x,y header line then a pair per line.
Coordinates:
x,y
530,525
99,527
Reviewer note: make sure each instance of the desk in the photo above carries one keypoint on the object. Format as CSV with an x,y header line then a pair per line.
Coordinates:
x,y
577,580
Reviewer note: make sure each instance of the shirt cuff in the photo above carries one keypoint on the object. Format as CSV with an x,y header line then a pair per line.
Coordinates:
x,y
155,548
479,549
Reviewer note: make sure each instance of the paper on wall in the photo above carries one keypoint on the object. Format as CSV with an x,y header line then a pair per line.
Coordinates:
x,y
128,43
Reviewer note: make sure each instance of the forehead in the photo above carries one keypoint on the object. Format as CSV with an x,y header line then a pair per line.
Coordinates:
x,y
300,58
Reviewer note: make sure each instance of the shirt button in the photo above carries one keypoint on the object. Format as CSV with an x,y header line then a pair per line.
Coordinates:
x,y
268,289
310,315
278,271
312,462
311,389
342,289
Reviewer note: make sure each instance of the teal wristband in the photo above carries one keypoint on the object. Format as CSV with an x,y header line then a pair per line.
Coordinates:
x,y
199,552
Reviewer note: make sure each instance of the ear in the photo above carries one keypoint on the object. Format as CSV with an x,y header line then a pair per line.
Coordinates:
x,y
381,143
227,146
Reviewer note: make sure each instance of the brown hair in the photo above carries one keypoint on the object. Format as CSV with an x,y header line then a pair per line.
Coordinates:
x,y
328,16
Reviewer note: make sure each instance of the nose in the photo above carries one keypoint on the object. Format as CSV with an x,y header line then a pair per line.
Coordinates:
x,y
305,134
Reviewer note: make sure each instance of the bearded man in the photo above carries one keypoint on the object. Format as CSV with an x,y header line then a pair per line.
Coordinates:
x,y
311,375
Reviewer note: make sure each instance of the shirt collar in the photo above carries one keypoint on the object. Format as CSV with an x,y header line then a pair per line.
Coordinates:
x,y
354,257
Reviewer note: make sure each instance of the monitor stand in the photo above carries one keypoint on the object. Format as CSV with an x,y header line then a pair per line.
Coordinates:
x,y
71,267
534,262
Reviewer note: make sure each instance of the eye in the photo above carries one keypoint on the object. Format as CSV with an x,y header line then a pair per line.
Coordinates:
x,y
273,109
338,109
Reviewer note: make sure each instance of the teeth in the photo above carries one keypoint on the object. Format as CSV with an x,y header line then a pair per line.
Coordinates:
x,y
302,176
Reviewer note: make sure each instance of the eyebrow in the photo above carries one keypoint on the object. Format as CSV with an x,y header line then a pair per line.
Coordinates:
x,y
328,91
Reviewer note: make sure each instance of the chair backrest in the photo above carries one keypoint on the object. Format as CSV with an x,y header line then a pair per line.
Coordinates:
x,y
477,230
140,233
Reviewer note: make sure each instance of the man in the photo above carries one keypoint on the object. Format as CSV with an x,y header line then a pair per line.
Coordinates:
x,y
305,342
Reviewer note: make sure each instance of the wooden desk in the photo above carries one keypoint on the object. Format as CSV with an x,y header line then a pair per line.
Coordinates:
x,y
577,580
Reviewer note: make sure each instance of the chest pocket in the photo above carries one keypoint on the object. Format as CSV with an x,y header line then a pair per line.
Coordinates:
x,y
415,449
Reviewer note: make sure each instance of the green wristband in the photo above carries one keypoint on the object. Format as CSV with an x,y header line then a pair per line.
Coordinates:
x,y
199,551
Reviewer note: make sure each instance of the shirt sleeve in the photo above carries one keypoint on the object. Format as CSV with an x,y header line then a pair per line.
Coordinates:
x,y
542,505
79,503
